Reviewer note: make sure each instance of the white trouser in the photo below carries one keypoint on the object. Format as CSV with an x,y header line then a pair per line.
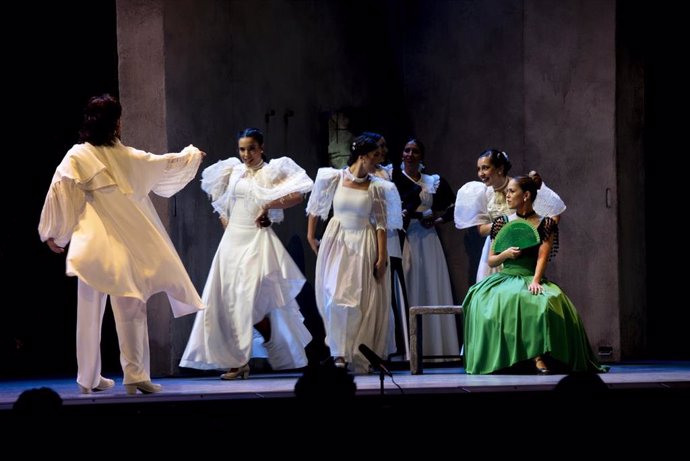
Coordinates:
x,y
132,333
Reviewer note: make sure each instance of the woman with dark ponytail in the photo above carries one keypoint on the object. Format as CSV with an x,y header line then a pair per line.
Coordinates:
x,y
517,315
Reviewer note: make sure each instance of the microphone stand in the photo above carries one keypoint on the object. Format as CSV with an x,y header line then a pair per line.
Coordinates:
x,y
382,376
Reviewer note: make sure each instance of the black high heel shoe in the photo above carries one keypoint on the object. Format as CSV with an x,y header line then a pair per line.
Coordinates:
x,y
542,369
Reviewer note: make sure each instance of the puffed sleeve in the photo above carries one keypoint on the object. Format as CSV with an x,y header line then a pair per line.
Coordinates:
x,y
322,194
282,176
387,206
471,206
214,181
62,208
548,203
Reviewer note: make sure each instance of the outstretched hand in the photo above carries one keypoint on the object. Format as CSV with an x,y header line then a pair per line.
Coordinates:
x,y
54,247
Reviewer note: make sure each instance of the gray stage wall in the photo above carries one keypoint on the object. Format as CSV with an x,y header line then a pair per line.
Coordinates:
x,y
535,78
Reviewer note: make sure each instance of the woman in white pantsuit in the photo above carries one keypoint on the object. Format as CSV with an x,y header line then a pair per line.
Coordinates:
x,y
98,202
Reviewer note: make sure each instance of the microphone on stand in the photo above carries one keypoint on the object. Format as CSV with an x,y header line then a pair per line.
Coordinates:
x,y
374,360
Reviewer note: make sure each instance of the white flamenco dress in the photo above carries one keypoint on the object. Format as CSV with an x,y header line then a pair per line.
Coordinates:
x,y
477,203
354,305
252,275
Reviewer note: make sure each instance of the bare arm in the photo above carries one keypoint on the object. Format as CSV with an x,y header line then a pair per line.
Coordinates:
x,y
484,229
382,254
287,201
542,260
311,233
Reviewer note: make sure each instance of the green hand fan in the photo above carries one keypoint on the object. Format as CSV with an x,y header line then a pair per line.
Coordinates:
x,y
516,233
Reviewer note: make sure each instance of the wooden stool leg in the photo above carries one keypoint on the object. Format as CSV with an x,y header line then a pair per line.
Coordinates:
x,y
413,344
420,344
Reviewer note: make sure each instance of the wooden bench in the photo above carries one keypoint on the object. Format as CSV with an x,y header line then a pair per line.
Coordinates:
x,y
416,330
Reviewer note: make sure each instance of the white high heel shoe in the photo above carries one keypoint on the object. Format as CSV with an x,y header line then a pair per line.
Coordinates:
x,y
242,373
145,387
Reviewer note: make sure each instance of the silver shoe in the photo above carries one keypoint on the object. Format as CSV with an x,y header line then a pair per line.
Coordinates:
x,y
242,373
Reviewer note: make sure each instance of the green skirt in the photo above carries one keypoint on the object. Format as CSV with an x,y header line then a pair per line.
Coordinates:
x,y
506,324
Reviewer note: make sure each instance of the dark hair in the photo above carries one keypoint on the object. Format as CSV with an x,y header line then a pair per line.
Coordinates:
x,y
361,145
498,159
37,400
253,133
101,121
375,136
527,184
419,143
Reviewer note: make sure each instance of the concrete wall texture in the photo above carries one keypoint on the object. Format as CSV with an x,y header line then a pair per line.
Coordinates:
x,y
531,77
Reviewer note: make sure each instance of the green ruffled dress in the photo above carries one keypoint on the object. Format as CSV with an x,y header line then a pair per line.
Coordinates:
x,y
506,324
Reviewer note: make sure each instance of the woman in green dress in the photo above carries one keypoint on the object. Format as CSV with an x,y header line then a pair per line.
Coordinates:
x,y
517,316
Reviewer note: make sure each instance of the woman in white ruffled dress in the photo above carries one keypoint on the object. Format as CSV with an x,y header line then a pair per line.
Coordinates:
x,y
253,281
428,201
479,203
352,292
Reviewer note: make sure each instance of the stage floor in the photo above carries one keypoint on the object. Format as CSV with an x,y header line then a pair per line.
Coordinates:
x,y
649,375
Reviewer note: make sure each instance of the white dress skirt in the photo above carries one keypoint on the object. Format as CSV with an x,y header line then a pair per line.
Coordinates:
x,y
252,276
428,284
354,305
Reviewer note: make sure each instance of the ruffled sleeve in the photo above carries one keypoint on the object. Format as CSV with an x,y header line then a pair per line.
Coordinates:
x,y
387,206
322,194
471,205
214,181
548,203
546,228
497,225
282,176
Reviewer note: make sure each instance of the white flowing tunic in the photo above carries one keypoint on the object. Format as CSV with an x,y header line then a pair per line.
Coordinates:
x,y
98,200
252,275
354,305
477,203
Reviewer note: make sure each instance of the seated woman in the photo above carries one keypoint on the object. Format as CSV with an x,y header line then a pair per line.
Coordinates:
x,y
517,315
